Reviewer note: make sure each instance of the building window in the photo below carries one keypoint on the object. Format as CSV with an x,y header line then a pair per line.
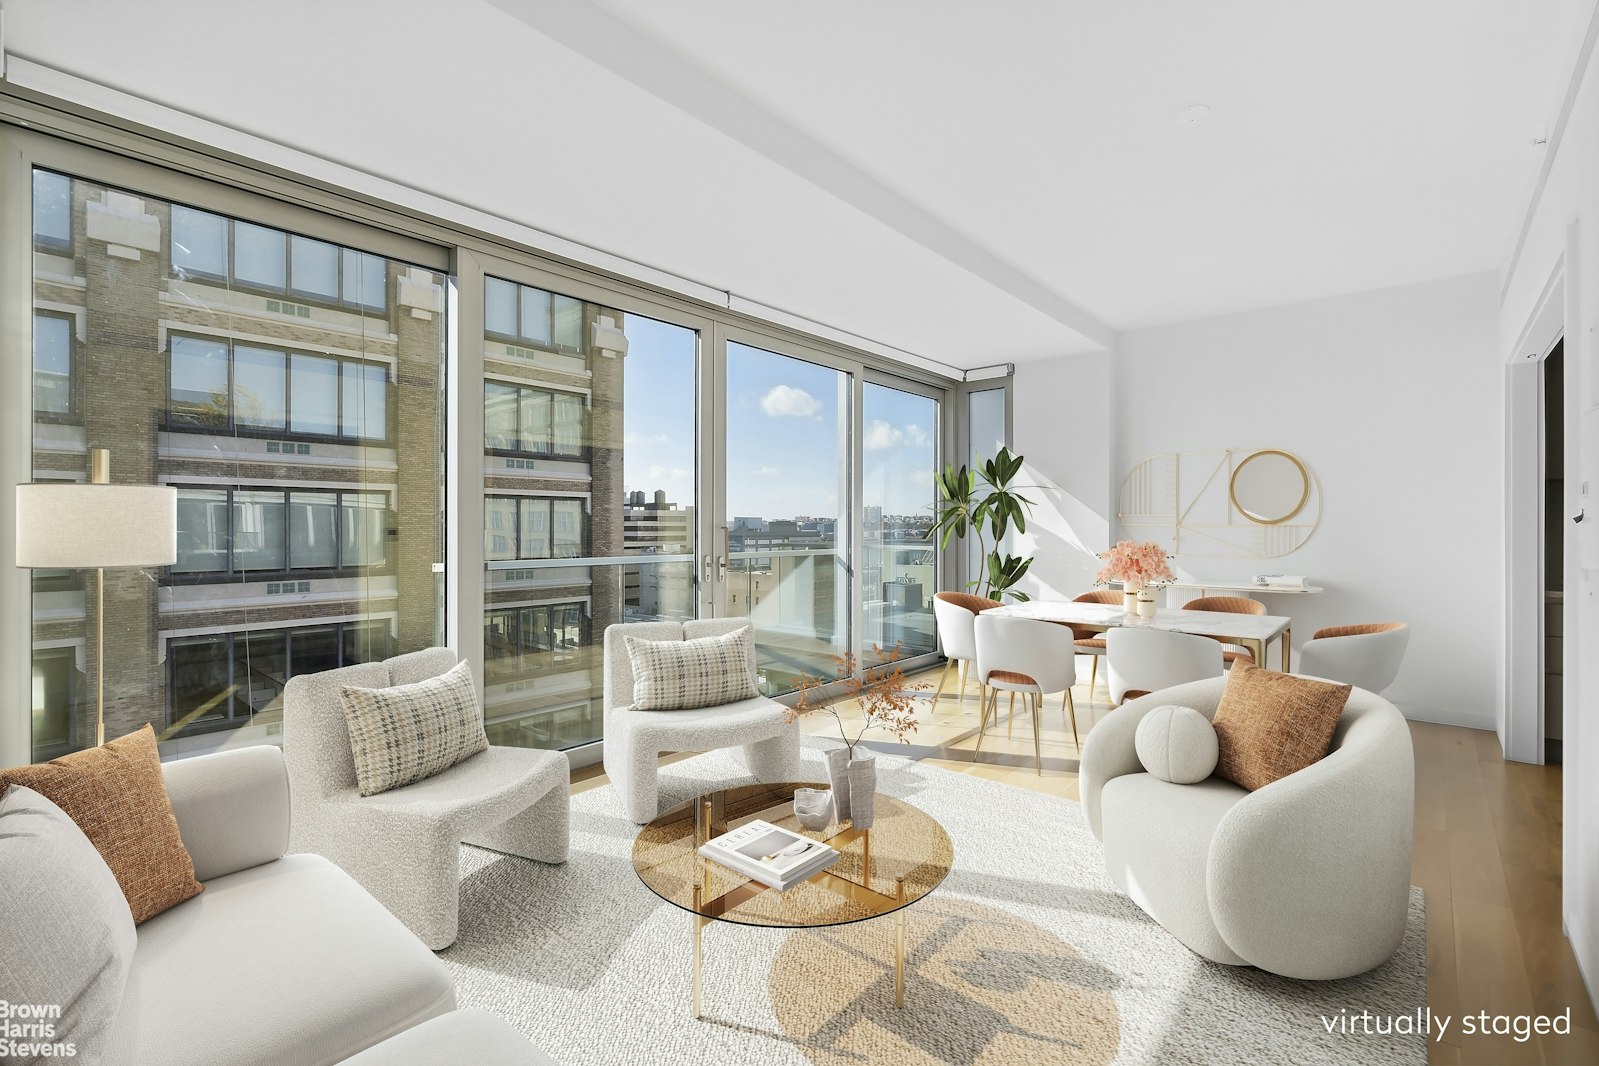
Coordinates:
x,y
55,682
519,641
52,211
230,532
527,421
525,315
215,385
533,527
215,248
52,366
223,680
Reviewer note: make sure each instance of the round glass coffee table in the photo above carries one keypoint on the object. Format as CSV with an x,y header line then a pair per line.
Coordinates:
x,y
880,871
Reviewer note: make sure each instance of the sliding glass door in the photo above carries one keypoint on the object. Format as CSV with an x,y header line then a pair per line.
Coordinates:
x,y
899,564
786,527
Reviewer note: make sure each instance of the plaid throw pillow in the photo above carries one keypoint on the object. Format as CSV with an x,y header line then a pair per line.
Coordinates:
x,y
406,733
679,675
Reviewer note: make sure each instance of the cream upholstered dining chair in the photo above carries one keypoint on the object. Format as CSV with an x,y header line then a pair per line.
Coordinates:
x,y
1141,661
1090,641
1231,653
1027,656
1366,656
953,613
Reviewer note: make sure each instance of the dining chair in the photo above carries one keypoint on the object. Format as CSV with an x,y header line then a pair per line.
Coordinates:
x,y
1026,656
1141,661
1231,653
1090,641
1366,656
953,613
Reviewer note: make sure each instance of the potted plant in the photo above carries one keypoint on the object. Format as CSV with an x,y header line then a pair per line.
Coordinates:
x,y
1139,567
984,503
886,700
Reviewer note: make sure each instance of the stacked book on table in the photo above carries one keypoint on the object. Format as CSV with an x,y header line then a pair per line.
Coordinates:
x,y
770,854
1282,581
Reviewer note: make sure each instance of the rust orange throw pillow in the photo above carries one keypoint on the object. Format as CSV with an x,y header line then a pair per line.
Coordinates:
x,y
117,796
1270,725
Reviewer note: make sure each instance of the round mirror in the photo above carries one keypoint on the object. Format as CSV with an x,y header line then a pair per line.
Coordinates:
x,y
1270,487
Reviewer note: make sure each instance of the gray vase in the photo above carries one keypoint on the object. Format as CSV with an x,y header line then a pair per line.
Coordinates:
x,y
854,785
838,775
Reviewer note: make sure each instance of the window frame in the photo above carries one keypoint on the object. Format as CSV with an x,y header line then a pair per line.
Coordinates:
x,y
177,423
521,338
585,522
231,573
74,414
585,450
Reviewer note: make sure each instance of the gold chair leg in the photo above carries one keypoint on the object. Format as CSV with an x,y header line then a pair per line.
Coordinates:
x,y
1093,677
943,678
1036,701
982,723
1071,709
962,672
1010,717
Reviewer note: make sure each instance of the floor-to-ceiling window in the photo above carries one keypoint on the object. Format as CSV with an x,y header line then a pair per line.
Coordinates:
x,y
787,459
289,369
289,387
588,499
899,570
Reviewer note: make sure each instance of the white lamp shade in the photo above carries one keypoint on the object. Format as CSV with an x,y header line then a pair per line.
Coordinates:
x,y
74,527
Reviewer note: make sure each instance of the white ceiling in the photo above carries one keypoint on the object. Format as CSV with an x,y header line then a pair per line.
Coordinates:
x,y
975,183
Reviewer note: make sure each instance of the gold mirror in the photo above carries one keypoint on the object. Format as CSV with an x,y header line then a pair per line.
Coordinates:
x,y
1269,487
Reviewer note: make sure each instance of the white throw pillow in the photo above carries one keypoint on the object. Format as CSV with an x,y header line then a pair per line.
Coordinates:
x,y
405,733
679,675
66,932
1176,744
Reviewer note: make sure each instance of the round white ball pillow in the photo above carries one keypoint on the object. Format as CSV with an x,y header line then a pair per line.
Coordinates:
x,y
1176,744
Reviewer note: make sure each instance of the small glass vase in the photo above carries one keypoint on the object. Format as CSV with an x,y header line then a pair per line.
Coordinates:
x,y
1146,604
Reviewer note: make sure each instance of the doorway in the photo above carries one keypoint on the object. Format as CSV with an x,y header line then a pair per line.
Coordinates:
x,y
1552,422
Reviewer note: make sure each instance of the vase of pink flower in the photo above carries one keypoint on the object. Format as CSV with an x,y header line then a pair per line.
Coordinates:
x,y
1138,567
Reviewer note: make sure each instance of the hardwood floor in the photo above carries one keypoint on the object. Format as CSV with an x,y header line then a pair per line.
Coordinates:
x,y
1487,854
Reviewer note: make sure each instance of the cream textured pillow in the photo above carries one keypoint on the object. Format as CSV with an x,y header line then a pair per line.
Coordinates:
x,y
1176,744
405,733
66,933
1270,725
679,675
117,795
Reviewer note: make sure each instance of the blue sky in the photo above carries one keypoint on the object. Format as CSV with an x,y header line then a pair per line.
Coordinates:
x,y
783,418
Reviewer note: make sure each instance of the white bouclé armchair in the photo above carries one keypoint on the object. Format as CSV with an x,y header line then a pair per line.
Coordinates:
x,y
1307,877
403,845
634,740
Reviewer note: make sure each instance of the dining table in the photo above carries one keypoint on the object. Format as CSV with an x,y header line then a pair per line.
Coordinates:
x,y
1254,632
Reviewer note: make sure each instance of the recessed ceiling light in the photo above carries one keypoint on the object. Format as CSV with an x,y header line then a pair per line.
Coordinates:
x,y
1192,116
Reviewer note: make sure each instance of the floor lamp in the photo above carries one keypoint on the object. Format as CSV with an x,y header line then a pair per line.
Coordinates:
x,y
93,526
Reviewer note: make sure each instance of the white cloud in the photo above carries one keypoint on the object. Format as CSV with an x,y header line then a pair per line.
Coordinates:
x,y
646,440
882,435
917,436
785,401
766,471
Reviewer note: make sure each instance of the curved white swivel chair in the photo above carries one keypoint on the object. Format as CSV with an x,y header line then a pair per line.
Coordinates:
x,y
1027,656
634,740
1141,661
1366,656
953,613
1308,877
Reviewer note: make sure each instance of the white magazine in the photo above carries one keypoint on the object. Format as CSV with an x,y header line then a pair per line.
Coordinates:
x,y
770,854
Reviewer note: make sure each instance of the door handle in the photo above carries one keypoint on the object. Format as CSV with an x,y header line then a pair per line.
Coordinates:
x,y
705,568
721,562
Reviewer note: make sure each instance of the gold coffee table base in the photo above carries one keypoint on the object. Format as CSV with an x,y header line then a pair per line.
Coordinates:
x,y
667,860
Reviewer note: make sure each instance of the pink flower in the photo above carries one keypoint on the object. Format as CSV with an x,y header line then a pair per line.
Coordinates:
x,y
1134,565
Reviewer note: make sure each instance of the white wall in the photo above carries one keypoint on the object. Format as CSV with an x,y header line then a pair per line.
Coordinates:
x,y
1571,195
1062,418
1393,399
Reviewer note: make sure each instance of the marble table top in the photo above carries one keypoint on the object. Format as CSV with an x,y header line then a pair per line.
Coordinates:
x,y
1101,616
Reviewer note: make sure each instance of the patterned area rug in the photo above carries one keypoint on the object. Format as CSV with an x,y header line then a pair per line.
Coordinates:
x,y
1027,953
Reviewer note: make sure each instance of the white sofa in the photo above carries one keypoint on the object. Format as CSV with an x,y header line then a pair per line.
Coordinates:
x,y
1308,877
404,845
634,740
283,960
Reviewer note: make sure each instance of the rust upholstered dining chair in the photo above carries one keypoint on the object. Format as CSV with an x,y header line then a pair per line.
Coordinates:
x,y
1231,653
953,615
1366,656
1088,641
